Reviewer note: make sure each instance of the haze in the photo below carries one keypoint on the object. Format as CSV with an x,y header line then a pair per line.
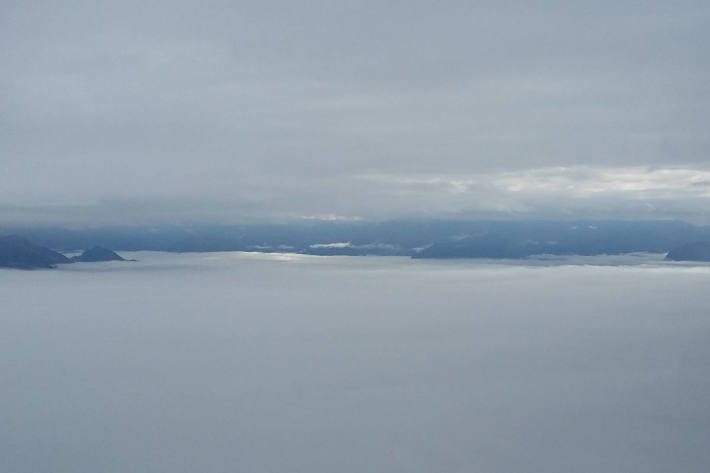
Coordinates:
x,y
567,140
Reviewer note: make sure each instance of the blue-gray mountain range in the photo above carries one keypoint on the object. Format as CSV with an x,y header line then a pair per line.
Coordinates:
x,y
419,239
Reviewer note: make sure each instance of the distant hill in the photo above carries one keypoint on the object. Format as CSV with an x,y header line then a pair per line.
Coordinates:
x,y
97,253
419,239
20,253
486,245
522,239
696,251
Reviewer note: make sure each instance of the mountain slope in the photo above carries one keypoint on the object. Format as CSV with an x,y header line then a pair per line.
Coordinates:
x,y
17,252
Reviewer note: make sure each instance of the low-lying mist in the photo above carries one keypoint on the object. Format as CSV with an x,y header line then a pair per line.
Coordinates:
x,y
271,363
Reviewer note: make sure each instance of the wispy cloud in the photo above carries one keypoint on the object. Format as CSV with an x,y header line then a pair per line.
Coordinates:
x,y
344,244
625,192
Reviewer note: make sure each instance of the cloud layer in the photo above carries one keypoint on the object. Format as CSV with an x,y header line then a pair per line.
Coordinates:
x,y
227,110
254,362
555,193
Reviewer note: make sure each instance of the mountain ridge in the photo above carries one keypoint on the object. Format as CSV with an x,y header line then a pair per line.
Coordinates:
x,y
17,252
417,239
96,254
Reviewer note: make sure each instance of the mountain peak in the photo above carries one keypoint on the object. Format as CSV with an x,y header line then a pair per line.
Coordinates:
x,y
98,253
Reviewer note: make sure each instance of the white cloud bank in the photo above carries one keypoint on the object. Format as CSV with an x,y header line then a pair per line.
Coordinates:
x,y
640,192
600,192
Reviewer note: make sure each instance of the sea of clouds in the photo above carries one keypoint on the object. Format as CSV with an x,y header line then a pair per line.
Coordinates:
x,y
234,362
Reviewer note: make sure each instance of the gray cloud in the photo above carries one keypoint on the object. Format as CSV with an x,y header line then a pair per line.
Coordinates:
x,y
554,192
226,111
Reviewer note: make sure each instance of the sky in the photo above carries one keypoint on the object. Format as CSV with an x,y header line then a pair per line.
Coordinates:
x,y
122,112
227,362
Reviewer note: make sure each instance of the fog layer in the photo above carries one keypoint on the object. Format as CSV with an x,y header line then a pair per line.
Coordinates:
x,y
254,363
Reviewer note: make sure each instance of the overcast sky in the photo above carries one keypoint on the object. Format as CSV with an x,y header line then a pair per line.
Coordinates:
x,y
230,111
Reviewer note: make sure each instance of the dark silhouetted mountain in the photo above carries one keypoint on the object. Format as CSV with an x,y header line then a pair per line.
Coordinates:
x,y
97,253
17,252
696,251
